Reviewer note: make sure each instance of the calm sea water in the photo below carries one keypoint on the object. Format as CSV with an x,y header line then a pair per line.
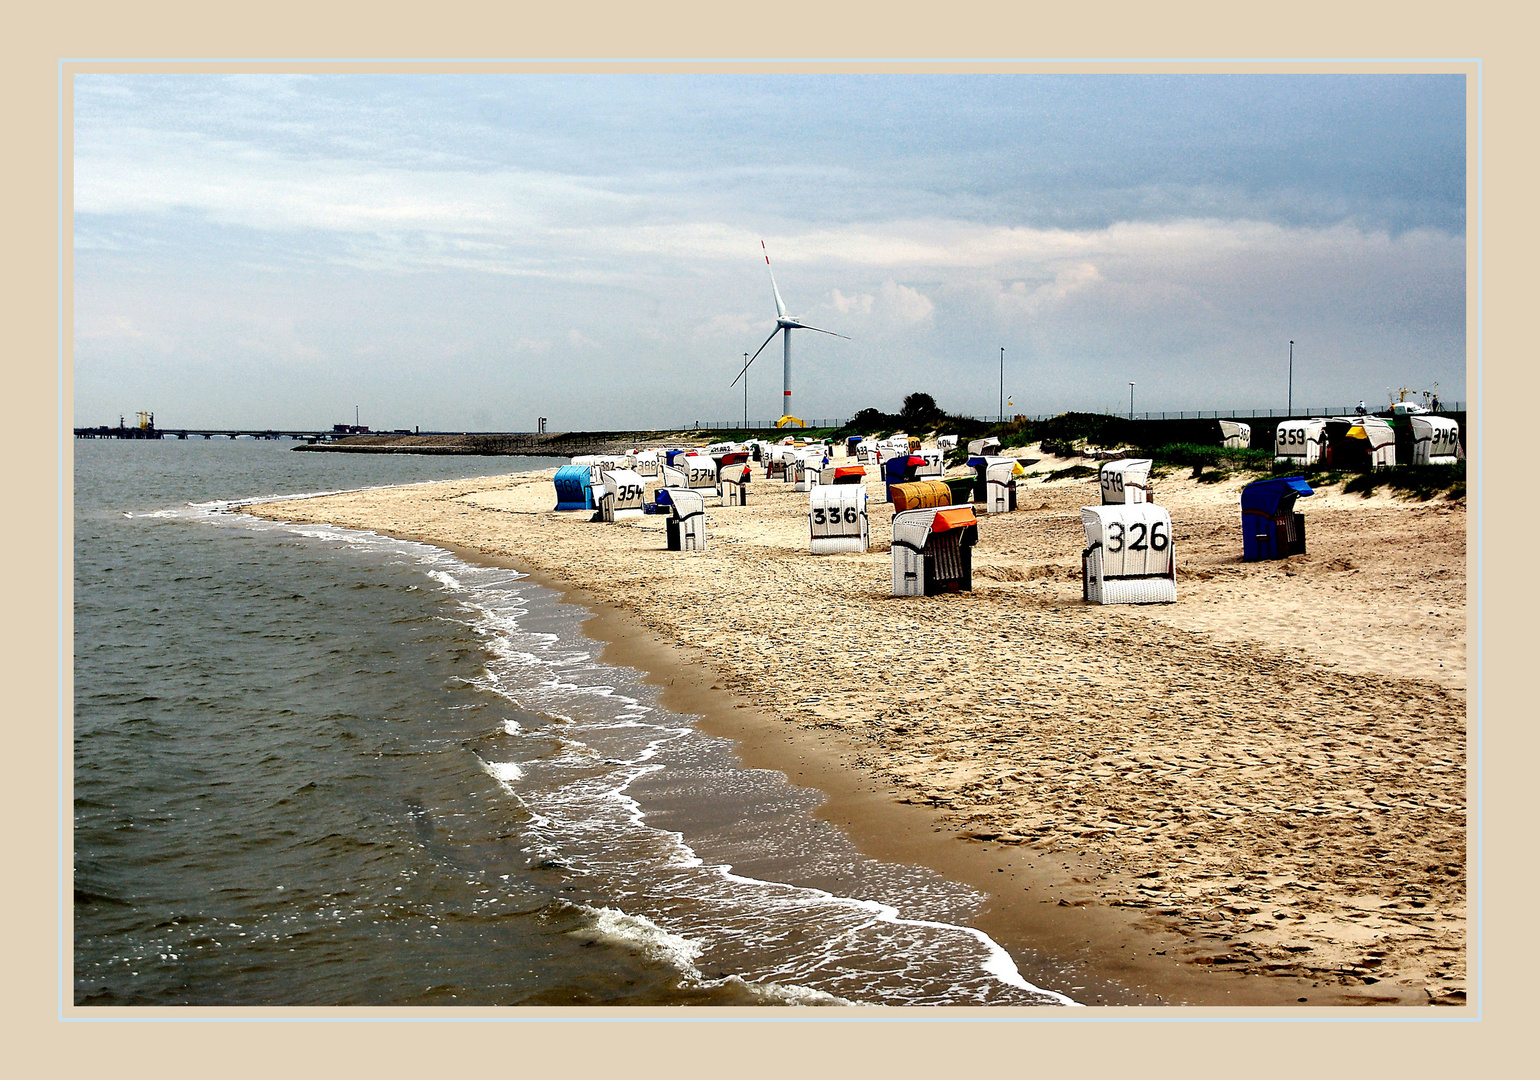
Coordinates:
x,y
321,766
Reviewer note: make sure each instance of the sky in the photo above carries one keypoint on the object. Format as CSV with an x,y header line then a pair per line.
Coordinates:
x,y
471,252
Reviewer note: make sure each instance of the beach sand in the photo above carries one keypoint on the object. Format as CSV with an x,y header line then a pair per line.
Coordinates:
x,y
1253,796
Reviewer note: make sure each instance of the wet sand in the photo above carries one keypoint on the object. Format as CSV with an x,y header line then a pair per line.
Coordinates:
x,y
1252,796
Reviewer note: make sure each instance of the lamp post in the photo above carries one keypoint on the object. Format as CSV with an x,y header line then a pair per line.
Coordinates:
x,y
745,390
1002,384
1130,401
1291,378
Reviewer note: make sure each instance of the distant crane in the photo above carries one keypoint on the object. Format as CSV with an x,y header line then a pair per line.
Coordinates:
x,y
784,324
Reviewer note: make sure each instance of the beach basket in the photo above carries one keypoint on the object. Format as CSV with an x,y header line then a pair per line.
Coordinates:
x,y
623,496
1435,440
1299,442
933,550
1129,555
1270,527
841,474
962,488
1126,480
573,490
735,485
920,493
1000,485
686,525
836,519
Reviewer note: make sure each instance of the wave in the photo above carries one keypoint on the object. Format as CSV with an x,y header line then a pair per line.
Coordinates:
x,y
594,732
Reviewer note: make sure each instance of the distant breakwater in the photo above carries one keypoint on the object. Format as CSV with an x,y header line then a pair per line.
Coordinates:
x,y
557,445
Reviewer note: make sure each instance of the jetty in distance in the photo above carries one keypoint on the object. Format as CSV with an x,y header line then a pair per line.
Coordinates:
x,y
349,439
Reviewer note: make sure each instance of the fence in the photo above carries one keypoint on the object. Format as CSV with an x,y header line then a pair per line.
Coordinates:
x,y
1221,414
1255,414
994,418
752,425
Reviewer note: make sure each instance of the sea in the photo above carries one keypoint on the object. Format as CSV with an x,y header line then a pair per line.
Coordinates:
x,y
318,766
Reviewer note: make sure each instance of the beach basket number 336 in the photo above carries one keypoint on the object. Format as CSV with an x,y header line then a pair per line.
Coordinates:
x,y
834,515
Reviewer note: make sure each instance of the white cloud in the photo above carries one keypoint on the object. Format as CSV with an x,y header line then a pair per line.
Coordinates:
x,y
1023,298
119,327
859,304
579,340
735,325
908,304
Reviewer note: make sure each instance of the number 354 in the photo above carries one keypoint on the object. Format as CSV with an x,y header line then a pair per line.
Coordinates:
x,y
1136,534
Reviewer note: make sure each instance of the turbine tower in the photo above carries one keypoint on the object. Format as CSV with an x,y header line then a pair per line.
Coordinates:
x,y
784,324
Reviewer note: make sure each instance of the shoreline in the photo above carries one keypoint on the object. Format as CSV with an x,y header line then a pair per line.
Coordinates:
x,y
1052,919
1065,939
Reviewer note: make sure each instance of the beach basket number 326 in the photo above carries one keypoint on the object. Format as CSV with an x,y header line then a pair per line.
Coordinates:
x,y
1128,557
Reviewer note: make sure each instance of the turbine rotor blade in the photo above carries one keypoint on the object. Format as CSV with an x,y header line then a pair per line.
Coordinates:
x,y
831,333
755,357
780,307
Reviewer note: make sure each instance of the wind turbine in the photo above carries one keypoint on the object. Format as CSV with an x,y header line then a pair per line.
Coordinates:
x,y
784,324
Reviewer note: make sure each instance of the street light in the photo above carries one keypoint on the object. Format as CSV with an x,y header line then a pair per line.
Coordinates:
x,y
1130,401
1002,384
745,389
1291,378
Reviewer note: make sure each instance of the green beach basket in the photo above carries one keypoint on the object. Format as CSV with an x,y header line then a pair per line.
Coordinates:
x,y
962,489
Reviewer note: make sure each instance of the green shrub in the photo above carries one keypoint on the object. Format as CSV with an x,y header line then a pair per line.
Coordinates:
x,y
1199,457
1072,472
1418,481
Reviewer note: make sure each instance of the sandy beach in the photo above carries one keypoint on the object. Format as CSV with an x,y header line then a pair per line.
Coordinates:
x,y
1255,795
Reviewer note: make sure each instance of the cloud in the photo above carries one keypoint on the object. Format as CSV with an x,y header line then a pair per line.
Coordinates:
x,y
1130,234
908,304
859,304
117,327
1023,298
735,325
